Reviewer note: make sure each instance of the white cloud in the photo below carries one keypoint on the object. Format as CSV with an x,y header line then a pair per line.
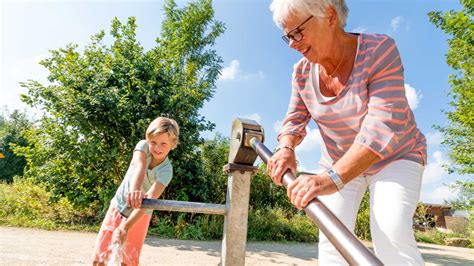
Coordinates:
x,y
277,125
38,58
442,193
311,142
395,22
434,170
434,138
254,116
413,96
359,29
230,72
233,72
302,168
16,72
251,76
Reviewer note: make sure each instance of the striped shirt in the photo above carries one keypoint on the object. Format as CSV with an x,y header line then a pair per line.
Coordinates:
x,y
371,109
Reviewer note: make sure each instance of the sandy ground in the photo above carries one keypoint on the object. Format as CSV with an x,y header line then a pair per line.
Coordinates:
x,y
23,246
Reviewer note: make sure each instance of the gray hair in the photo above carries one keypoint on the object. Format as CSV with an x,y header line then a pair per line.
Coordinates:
x,y
281,9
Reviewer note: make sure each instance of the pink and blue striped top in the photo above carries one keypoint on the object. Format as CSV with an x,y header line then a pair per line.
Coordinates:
x,y
371,110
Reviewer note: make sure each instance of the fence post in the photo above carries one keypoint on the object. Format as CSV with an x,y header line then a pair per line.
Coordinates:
x,y
235,224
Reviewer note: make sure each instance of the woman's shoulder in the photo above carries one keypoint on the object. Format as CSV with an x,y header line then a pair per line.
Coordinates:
x,y
302,66
375,39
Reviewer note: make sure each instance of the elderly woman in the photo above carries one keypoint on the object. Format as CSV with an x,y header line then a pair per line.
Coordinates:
x,y
352,86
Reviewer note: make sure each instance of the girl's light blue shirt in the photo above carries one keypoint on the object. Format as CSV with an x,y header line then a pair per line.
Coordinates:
x,y
162,173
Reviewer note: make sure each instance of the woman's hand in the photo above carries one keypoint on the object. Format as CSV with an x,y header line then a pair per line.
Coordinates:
x,y
281,161
306,187
119,235
134,199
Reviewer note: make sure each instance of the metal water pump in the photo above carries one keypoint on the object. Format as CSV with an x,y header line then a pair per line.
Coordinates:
x,y
247,142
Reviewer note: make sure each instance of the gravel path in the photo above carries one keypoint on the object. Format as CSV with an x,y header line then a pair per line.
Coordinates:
x,y
25,246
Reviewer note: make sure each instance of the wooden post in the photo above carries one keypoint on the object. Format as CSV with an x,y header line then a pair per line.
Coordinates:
x,y
235,224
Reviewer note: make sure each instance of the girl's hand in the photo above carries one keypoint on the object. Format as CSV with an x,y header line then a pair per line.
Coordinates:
x,y
134,199
306,187
119,235
279,163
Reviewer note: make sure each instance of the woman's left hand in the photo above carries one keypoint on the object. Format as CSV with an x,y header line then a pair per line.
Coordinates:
x,y
306,187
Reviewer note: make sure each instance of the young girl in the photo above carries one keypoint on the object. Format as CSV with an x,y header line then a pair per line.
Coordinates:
x,y
149,173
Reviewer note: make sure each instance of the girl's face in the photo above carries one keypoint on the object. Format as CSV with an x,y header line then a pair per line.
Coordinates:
x,y
160,145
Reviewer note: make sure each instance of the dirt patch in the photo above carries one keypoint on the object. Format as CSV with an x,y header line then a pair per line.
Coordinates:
x,y
32,247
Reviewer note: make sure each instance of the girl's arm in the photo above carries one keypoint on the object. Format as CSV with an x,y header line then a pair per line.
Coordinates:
x,y
121,232
155,191
135,196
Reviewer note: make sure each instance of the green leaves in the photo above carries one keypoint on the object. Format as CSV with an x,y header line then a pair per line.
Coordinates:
x,y
459,134
465,192
11,137
102,98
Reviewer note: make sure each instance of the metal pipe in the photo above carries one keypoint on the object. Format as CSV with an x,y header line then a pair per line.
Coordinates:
x,y
184,206
353,251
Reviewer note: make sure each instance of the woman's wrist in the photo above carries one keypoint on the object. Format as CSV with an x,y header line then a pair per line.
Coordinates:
x,y
280,147
335,177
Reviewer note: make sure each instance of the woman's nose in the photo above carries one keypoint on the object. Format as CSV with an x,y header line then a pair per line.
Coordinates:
x,y
292,43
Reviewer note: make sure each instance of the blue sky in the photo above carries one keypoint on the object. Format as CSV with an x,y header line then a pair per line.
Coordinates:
x,y
255,81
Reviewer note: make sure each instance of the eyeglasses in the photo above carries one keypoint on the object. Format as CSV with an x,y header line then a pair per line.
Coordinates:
x,y
296,33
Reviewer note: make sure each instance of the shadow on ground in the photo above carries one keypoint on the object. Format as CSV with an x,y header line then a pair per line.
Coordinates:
x,y
306,252
265,249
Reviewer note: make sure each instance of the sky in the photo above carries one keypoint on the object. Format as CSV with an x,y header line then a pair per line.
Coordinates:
x,y
256,77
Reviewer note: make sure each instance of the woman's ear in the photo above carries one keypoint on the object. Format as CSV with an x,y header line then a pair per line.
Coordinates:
x,y
331,16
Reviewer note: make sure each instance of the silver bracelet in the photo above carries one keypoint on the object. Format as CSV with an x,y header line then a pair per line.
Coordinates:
x,y
284,147
336,178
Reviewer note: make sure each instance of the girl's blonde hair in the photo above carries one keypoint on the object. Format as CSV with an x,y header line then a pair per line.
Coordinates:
x,y
164,125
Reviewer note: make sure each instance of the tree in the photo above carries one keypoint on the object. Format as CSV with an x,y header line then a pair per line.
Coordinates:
x,y
464,197
99,103
459,134
10,137
214,155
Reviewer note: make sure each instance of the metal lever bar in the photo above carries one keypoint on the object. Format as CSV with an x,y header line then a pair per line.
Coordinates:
x,y
184,206
353,251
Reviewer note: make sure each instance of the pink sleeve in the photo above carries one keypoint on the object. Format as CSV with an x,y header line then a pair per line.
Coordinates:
x,y
297,116
389,116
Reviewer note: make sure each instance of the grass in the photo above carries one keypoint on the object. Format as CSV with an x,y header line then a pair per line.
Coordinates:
x,y
24,204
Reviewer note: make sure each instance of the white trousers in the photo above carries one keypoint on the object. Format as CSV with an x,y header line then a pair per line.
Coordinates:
x,y
394,195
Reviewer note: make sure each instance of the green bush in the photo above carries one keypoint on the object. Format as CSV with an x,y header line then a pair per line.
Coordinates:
x,y
433,236
362,227
263,225
11,127
107,92
187,226
430,236
23,203
280,225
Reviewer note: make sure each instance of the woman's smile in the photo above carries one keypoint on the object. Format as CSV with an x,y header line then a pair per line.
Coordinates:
x,y
305,52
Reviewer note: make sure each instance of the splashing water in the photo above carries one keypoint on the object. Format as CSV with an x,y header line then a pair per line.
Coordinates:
x,y
115,257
